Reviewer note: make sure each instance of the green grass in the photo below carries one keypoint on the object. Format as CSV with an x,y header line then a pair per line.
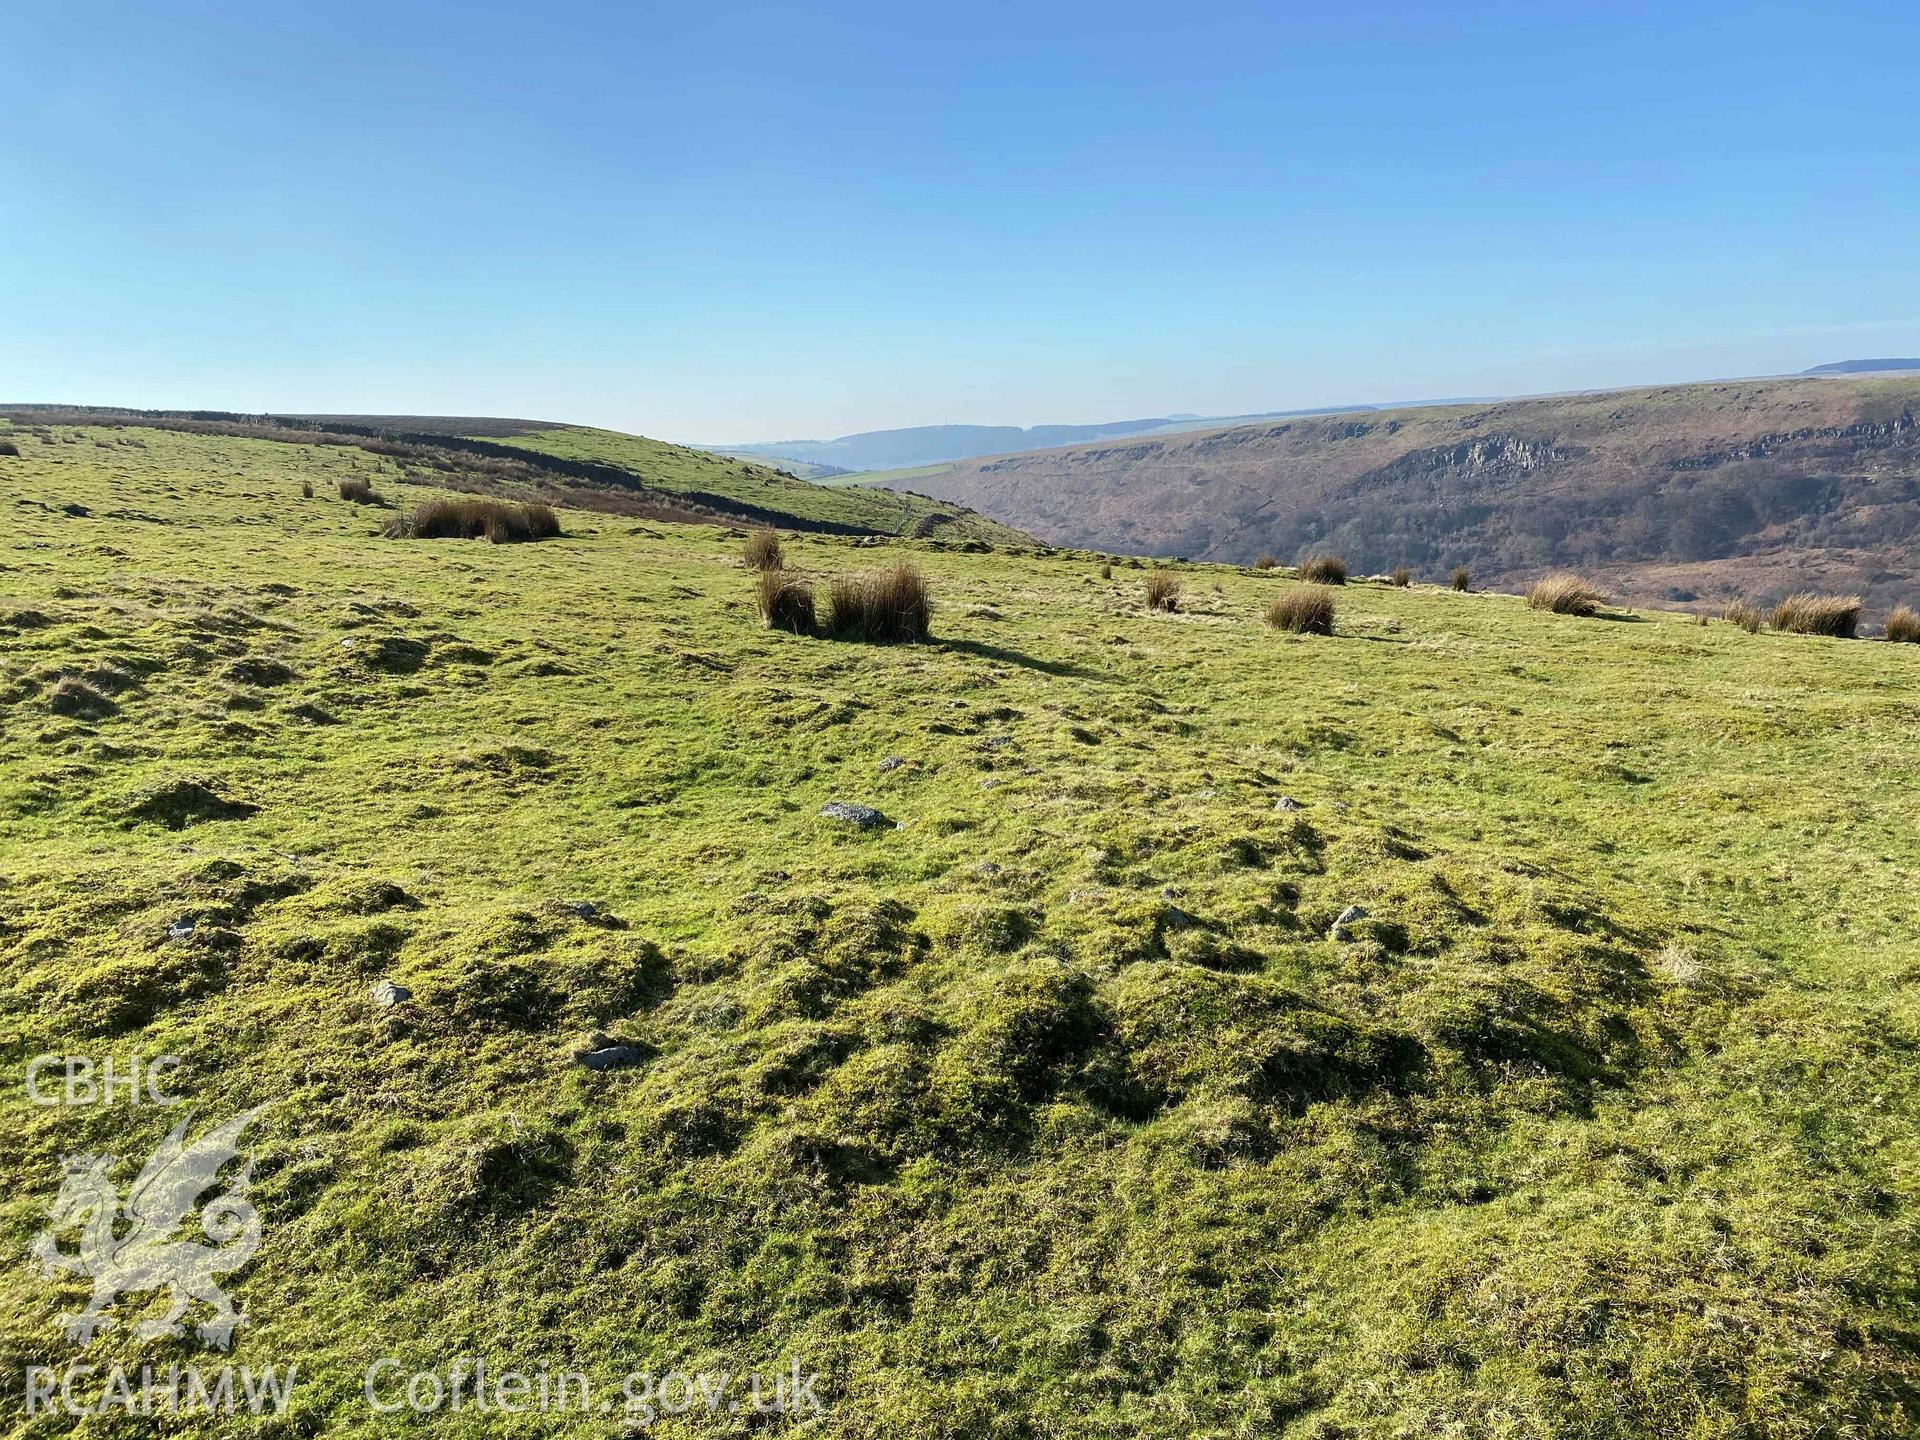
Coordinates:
x,y
682,470
904,477
1053,1110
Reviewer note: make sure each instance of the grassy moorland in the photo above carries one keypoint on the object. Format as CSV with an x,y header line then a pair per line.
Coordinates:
x,y
1052,1105
678,469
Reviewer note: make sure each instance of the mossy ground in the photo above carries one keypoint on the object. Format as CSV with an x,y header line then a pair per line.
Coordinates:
x,y
1054,1110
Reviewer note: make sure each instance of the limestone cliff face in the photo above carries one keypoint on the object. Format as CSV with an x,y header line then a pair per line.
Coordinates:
x,y
1701,491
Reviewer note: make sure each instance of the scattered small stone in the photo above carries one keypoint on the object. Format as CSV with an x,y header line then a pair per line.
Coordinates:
x,y
1287,802
388,994
892,763
865,817
79,512
585,909
1179,919
181,930
611,1057
1340,807
998,742
1343,922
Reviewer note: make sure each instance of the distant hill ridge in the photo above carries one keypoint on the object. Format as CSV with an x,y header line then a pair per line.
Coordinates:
x,y
1862,367
1684,493
932,444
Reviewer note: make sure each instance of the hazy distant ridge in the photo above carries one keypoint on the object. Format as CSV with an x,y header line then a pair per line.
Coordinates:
x,y
932,444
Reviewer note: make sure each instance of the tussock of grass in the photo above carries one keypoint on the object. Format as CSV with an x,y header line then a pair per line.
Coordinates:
x,y
785,602
7,447
1903,625
882,606
1565,595
359,492
1837,616
764,552
1106,572
1302,610
1461,579
1163,591
1267,562
1401,577
475,517
1324,570
1747,616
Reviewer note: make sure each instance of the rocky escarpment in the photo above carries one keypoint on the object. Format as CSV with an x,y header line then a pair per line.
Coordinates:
x,y
1867,435
1683,492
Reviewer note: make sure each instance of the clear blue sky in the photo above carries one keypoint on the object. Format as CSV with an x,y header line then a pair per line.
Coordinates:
x,y
730,222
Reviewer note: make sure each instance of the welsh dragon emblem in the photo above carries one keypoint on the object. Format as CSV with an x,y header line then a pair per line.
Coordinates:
x,y
137,1246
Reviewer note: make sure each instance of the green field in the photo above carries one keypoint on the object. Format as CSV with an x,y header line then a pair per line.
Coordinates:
x,y
890,477
1050,1108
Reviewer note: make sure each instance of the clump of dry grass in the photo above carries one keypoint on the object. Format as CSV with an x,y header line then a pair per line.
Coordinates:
x,y
1402,577
1163,591
1810,614
786,603
1324,570
360,492
7,447
1302,610
881,606
1106,572
1903,625
475,518
1565,595
1462,579
306,489
764,552
1267,562
1747,616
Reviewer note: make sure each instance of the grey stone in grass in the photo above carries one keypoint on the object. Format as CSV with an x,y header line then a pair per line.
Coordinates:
x,y
1345,920
1287,802
863,817
388,994
892,763
609,1057
181,930
585,909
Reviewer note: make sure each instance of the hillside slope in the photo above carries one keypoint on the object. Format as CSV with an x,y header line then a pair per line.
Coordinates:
x,y
1707,491
679,469
602,469
936,444
1053,1107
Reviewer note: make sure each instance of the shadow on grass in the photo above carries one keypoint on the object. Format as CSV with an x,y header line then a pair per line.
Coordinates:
x,y
1063,668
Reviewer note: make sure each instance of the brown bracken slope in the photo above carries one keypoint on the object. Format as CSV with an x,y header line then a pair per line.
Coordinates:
x,y
1690,493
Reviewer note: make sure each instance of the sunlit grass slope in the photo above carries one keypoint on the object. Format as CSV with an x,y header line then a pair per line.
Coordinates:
x,y
680,469
1051,1105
